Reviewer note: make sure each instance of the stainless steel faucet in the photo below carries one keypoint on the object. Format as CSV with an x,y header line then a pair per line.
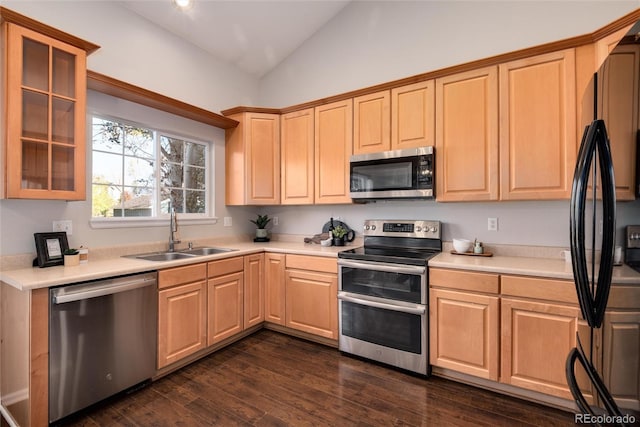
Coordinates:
x,y
173,227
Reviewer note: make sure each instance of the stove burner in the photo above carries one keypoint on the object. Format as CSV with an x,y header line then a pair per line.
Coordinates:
x,y
410,242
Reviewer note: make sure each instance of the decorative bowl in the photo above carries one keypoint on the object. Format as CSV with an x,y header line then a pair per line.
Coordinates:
x,y
462,245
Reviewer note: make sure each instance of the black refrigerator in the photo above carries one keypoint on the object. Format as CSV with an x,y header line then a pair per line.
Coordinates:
x,y
592,212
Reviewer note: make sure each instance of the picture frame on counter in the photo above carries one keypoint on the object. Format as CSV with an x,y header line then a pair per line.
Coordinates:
x,y
50,248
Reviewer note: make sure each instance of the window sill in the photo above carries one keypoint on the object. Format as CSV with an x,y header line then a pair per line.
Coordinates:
x,y
99,223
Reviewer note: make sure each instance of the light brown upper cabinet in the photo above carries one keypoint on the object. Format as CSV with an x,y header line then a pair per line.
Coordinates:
x,y
371,123
412,115
333,147
45,107
467,136
297,151
538,126
252,154
618,106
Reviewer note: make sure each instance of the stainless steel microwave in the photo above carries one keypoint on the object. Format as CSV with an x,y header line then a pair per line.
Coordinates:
x,y
397,174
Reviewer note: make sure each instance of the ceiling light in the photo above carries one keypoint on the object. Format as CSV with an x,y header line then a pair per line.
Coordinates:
x,y
183,4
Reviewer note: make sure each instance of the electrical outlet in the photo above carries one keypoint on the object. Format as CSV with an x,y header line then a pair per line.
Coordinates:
x,y
275,221
228,221
63,225
492,224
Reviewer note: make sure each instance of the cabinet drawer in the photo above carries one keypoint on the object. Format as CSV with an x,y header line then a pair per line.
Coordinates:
x,y
464,280
625,297
546,289
225,266
313,263
179,275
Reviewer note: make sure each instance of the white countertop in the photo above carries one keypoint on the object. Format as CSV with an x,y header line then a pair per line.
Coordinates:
x,y
34,277
525,266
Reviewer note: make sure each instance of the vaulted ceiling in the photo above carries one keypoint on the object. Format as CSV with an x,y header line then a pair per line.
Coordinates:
x,y
252,35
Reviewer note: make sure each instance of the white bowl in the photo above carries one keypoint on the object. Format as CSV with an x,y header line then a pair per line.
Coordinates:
x,y
462,245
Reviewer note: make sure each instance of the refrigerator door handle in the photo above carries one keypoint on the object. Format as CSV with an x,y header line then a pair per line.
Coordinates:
x,y
577,353
593,302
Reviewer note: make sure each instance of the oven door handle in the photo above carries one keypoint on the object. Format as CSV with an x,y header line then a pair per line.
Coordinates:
x,y
391,268
419,310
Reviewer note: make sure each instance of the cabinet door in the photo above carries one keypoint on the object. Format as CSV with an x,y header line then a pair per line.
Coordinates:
x,y
333,148
274,299
536,340
621,357
464,332
45,117
297,157
224,307
252,160
181,322
619,93
537,127
412,115
467,136
253,290
312,302
372,122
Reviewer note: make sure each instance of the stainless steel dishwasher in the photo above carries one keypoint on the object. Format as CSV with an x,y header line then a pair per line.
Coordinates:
x,y
102,340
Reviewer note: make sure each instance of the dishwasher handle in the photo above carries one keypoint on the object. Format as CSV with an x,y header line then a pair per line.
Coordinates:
x,y
109,287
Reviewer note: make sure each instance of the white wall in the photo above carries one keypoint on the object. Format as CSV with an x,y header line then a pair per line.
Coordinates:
x,y
19,219
372,42
138,52
375,42
360,47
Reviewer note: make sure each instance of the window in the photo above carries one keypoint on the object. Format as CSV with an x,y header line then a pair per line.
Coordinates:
x,y
138,171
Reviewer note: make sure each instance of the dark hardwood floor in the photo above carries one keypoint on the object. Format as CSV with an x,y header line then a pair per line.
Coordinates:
x,y
270,379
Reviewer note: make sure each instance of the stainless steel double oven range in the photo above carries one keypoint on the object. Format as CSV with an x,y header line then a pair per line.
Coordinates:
x,y
383,293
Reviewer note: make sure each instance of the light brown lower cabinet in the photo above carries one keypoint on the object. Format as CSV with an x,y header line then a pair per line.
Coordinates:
x,y
225,290
465,332
274,295
311,295
464,322
182,312
253,290
621,346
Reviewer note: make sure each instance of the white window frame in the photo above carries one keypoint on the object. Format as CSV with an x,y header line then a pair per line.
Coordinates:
x,y
163,219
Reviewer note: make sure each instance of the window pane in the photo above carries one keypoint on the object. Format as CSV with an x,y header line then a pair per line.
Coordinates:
x,y
172,149
35,64
195,201
138,142
138,172
107,135
194,154
138,201
171,175
104,199
176,196
194,178
107,168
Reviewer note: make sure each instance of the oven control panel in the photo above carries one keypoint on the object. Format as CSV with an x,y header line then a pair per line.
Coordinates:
x,y
402,228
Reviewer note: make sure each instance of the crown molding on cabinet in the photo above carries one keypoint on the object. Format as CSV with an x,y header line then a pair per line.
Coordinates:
x,y
110,86
9,15
573,42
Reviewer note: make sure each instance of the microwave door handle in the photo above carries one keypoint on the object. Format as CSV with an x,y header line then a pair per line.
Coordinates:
x,y
410,310
415,270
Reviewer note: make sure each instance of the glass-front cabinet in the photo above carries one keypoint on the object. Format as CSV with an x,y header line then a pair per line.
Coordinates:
x,y
45,111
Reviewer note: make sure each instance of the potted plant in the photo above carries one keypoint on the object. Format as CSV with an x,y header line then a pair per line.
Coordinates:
x,y
339,232
71,257
261,222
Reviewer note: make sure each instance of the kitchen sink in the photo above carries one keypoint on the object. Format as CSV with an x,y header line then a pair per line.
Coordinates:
x,y
206,251
184,254
162,256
